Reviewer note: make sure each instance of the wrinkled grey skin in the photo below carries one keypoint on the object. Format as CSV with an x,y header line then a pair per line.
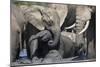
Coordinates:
x,y
44,35
83,14
92,38
66,48
52,23
50,20
33,16
17,24
52,56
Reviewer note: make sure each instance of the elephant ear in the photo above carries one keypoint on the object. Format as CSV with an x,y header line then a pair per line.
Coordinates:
x,y
33,16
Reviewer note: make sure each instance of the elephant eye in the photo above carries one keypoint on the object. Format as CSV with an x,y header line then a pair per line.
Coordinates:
x,y
50,22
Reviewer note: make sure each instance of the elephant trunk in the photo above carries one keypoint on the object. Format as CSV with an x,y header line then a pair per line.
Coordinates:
x,y
52,23
56,37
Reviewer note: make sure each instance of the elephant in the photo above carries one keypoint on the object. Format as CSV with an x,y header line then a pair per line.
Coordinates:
x,y
65,41
65,44
31,13
45,36
51,24
17,26
83,16
51,19
82,25
42,14
31,16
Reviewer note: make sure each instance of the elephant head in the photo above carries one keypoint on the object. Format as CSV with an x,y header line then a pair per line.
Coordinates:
x,y
83,16
51,22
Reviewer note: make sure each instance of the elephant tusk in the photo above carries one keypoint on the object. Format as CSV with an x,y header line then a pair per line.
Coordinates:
x,y
85,28
72,26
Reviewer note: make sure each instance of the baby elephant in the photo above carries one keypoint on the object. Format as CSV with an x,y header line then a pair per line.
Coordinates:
x,y
44,36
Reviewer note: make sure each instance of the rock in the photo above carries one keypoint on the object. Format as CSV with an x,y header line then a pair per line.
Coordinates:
x,y
36,60
52,56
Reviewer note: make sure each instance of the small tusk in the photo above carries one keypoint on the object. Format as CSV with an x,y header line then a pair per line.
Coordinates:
x,y
70,26
85,28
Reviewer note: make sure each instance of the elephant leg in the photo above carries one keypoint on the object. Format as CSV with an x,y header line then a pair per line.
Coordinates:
x,y
66,47
82,46
14,46
44,35
20,40
61,48
33,47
